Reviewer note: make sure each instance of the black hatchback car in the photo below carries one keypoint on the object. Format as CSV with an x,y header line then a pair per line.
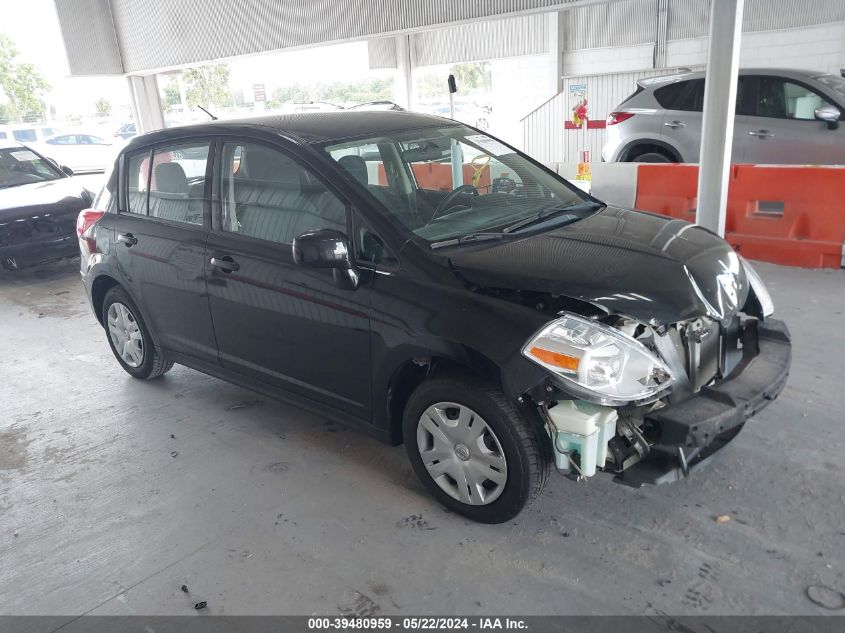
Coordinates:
x,y
373,267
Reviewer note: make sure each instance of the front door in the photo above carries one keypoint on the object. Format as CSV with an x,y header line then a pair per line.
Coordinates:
x,y
160,238
783,128
289,326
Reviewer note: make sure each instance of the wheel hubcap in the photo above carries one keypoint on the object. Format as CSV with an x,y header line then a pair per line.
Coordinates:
x,y
125,334
461,453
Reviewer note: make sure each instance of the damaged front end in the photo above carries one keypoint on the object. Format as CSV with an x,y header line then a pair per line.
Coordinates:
x,y
650,403
33,239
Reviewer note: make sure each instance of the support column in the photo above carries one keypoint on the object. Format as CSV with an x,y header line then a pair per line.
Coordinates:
x,y
404,71
717,128
146,103
661,33
556,37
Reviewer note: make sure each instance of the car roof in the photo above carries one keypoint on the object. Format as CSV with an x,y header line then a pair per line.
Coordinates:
x,y
790,73
308,127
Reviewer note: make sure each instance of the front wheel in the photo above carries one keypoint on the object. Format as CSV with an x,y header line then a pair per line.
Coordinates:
x,y
476,452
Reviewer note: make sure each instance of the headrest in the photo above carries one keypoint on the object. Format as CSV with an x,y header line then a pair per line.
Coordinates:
x,y
170,178
261,164
356,166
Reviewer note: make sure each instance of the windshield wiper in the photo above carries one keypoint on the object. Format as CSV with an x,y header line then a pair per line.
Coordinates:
x,y
471,237
575,207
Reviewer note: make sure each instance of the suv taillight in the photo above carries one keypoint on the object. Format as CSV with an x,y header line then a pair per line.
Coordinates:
x,y
85,222
617,117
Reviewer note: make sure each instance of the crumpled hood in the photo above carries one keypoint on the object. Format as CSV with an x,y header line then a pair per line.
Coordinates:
x,y
648,267
56,197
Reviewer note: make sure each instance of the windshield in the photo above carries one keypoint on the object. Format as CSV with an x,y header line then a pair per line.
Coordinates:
x,y
837,83
447,182
22,166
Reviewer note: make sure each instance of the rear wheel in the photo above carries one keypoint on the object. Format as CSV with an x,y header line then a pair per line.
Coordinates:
x,y
129,337
477,453
652,157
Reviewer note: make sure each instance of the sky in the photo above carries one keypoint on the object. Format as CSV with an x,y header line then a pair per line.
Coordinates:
x,y
34,27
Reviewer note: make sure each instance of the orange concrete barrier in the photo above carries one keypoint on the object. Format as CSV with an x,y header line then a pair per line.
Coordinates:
x,y
439,176
782,214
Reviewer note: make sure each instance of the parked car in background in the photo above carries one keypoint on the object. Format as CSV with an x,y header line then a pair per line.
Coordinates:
x,y
466,111
492,332
27,133
382,105
782,117
81,151
127,131
39,204
309,106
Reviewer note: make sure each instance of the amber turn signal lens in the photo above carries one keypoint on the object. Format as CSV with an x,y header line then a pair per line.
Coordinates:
x,y
554,358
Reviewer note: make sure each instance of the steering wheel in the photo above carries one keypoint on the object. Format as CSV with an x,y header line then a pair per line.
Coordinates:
x,y
450,198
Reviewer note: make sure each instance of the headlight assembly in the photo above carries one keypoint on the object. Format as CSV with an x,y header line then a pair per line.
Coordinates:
x,y
759,288
599,362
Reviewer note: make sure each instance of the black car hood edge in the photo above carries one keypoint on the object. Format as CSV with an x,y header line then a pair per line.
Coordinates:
x,y
649,267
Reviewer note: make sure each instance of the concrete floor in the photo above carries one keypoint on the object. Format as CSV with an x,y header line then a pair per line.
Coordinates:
x,y
115,492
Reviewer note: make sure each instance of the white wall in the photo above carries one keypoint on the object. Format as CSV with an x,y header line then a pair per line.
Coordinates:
x,y
594,61
520,84
815,48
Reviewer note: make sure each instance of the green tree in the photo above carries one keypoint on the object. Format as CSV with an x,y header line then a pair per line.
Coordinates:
x,y
171,95
103,107
289,94
208,86
22,84
472,77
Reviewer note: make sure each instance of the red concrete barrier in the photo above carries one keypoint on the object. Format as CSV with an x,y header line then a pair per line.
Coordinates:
x,y
782,214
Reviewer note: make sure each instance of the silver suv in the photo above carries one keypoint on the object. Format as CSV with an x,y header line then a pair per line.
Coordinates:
x,y
782,117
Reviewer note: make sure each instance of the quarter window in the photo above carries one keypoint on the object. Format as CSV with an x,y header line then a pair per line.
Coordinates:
x,y
137,183
267,195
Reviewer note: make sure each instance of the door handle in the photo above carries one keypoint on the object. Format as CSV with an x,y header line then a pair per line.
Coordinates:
x,y
226,264
760,133
127,238
675,124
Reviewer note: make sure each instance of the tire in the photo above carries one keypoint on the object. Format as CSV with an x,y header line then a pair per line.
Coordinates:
x,y
651,157
121,317
510,443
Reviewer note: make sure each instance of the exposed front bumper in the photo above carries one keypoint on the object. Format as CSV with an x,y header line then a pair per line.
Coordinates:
x,y
691,431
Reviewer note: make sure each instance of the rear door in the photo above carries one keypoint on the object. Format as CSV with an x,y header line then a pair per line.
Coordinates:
x,y
782,127
684,105
160,239
289,326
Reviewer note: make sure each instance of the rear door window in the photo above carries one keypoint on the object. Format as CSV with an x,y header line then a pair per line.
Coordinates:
x,y
177,182
682,95
688,96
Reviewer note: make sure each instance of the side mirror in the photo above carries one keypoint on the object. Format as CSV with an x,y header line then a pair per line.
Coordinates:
x,y
67,170
327,248
829,114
